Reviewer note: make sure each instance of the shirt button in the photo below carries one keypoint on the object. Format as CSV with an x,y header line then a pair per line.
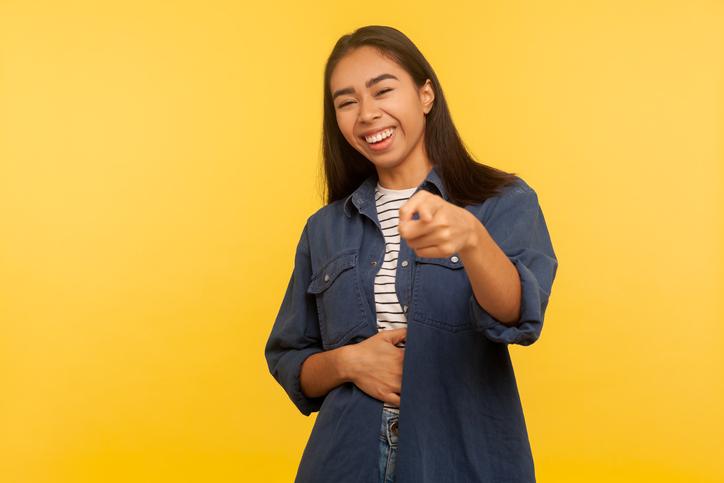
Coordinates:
x,y
326,277
404,308
454,259
373,262
404,263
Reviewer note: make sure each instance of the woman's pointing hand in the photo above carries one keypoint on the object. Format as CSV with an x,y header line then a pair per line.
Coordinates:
x,y
442,228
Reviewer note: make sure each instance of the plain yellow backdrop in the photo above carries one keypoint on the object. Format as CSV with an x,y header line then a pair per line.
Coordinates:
x,y
158,161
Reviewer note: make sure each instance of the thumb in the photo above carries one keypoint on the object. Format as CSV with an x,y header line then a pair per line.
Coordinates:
x,y
396,335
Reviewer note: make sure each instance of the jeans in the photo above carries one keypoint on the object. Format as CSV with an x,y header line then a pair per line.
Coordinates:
x,y
388,445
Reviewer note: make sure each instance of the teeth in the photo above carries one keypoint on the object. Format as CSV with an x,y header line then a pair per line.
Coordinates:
x,y
379,136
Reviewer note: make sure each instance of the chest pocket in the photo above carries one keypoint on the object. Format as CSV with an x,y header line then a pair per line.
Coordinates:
x,y
338,292
441,293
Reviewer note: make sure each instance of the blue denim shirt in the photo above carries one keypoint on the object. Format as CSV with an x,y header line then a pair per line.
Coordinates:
x,y
461,418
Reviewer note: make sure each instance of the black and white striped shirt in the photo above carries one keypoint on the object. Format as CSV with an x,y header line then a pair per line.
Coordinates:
x,y
390,314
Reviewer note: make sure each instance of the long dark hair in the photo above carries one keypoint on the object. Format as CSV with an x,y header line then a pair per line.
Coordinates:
x,y
466,180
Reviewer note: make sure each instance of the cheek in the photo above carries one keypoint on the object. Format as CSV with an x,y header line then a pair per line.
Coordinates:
x,y
408,116
413,123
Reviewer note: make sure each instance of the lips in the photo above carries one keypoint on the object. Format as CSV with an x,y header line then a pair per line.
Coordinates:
x,y
384,144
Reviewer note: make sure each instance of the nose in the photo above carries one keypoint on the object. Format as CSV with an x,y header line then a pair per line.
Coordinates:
x,y
368,111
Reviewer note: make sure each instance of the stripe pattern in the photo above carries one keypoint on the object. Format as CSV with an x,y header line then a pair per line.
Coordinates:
x,y
390,314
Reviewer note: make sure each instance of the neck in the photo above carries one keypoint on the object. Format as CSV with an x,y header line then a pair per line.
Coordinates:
x,y
404,175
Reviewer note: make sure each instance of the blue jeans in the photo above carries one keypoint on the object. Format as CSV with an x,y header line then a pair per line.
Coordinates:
x,y
389,432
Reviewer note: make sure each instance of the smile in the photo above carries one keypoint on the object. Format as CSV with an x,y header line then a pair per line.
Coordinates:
x,y
375,138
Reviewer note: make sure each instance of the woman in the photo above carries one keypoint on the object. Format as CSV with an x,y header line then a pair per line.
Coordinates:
x,y
422,259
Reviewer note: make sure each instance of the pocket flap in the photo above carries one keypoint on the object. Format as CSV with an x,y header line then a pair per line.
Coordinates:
x,y
453,261
330,271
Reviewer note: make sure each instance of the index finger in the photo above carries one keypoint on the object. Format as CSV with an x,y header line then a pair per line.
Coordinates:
x,y
418,203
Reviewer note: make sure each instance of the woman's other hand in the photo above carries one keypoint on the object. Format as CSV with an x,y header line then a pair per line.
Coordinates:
x,y
375,365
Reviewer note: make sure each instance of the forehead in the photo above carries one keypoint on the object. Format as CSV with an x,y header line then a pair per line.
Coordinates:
x,y
362,64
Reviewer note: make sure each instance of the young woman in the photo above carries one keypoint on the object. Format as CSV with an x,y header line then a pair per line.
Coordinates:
x,y
408,285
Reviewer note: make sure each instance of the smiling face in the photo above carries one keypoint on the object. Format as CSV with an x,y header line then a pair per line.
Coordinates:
x,y
380,111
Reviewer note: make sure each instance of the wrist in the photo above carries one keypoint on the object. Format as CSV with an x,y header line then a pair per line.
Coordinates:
x,y
472,241
344,363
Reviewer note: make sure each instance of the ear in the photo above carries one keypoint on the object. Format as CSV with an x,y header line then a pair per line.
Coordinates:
x,y
427,96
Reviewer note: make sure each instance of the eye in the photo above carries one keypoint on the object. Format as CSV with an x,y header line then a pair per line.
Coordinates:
x,y
383,91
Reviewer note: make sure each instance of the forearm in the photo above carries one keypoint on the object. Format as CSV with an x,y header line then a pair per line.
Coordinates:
x,y
495,280
323,371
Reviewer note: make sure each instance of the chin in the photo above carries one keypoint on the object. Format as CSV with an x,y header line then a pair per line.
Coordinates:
x,y
389,164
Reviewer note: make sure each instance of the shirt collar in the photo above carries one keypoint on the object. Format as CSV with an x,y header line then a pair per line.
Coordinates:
x,y
365,192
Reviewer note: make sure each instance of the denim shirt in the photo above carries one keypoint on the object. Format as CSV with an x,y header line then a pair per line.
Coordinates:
x,y
461,418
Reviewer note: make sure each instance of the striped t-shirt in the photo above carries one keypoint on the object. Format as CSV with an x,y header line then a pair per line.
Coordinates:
x,y
390,314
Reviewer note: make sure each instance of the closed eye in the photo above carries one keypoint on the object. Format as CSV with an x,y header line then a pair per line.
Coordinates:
x,y
383,91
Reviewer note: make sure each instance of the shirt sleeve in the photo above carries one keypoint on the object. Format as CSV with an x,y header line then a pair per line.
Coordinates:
x,y
517,225
295,334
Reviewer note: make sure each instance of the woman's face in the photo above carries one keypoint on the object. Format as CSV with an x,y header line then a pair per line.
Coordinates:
x,y
374,96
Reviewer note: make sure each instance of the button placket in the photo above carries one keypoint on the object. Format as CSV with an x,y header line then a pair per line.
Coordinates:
x,y
406,277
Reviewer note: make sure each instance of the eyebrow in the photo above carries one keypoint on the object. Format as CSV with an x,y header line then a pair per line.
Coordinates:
x,y
369,83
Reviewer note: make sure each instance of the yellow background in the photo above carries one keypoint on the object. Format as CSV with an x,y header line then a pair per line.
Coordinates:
x,y
158,161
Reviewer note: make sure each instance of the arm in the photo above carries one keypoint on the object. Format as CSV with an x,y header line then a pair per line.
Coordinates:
x,y
494,278
324,371
516,229
295,337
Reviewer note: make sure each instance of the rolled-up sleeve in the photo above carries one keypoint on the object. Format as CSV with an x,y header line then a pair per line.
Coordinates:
x,y
517,225
295,334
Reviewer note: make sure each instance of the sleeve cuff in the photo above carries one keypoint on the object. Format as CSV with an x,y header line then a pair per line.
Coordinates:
x,y
293,361
528,328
